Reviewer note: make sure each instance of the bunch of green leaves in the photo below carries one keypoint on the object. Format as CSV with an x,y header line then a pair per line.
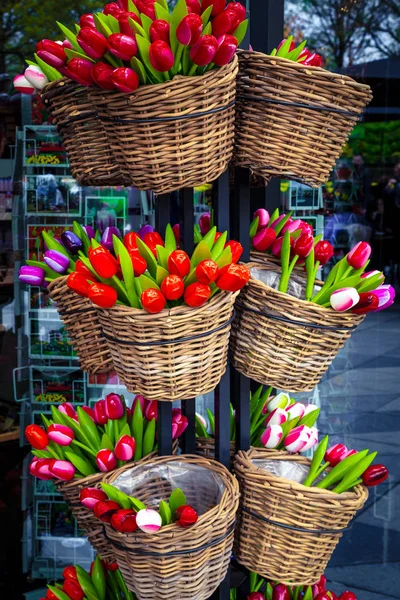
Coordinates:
x,y
285,50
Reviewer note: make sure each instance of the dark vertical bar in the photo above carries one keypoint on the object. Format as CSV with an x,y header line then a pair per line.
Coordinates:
x,y
221,202
188,406
162,218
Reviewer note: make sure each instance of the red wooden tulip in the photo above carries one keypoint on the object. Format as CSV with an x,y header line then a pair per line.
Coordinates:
x,y
368,302
87,21
186,516
153,300
218,6
106,461
159,30
374,475
124,520
105,509
151,410
335,454
113,9
152,240
236,249
125,79
92,42
115,407
347,596
124,24
103,262
227,45
233,277
205,223
225,22
161,56
280,592
62,469
264,239
73,589
207,271
179,263
256,596
323,252
204,50
138,262
130,240
125,448
194,6
189,29
51,596
149,10
358,256
239,9
70,573
80,267
37,437
100,414
101,74
102,295
53,54
80,70
172,287
276,247
122,46
303,245
197,294
89,497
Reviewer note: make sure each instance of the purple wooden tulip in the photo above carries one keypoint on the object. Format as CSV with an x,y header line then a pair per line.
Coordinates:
x,y
31,275
263,218
386,295
56,261
344,299
62,469
107,237
90,232
71,242
145,229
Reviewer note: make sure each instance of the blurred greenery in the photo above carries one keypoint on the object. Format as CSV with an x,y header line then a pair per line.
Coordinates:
x,y
376,142
23,23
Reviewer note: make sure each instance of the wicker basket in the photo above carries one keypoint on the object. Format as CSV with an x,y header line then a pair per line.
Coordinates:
x,y
175,354
206,447
178,563
292,120
162,137
287,532
86,520
83,326
85,137
283,341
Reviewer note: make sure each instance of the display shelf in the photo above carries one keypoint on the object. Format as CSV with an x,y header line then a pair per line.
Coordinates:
x,y
52,195
42,147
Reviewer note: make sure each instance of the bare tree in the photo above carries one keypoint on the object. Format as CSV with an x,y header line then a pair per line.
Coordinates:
x,y
385,31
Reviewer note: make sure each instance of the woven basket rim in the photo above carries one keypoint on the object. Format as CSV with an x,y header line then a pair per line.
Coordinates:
x,y
157,87
360,491
68,485
327,312
169,532
304,69
176,311
62,279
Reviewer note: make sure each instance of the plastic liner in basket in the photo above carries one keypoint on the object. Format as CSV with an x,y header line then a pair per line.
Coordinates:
x,y
178,563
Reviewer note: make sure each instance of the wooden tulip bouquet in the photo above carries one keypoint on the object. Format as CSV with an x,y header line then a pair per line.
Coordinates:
x,y
139,42
82,442
126,514
104,582
348,286
150,273
278,422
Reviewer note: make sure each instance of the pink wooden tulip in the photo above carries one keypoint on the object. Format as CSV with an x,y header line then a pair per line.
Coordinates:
x,y
40,468
106,460
100,414
125,448
114,407
205,223
148,520
67,409
278,220
151,410
202,420
358,256
62,469
179,423
297,439
295,410
344,299
369,274
22,85
256,596
282,400
335,454
90,496
272,436
280,592
277,417
277,246
264,239
60,434
36,77
309,408
386,295
291,226
263,218
312,440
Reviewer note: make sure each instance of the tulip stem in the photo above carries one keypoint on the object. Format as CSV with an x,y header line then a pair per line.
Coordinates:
x,y
192,70
86,448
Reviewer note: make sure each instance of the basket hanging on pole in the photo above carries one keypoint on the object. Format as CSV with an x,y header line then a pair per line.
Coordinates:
x,y
293,120
81,321
161,137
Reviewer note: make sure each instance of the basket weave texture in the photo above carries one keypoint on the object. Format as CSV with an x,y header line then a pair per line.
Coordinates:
x,y
292,346
179,563
83,326
161,137
85,518
85,137
206,447
149,358
278,551
293,120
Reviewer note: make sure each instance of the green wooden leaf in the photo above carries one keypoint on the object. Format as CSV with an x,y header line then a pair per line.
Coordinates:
x,y
137,430
113,23
219,245
201,252
161,275
308,594
294,54
137,28
162,12
127,271
201,431
75,54
101,23
86,584
89,428
83,466
285,48
205,16
58,593
70,36
165,512
176,499
144,51
225,258
209,238
207,29
211,419
310,419
146,283
136,504
51,73
53,244
146,24
133,8
240,31
106,442
162,256
148,256
99,579
149,437
254,227
170,241
279,226
138,67
178,13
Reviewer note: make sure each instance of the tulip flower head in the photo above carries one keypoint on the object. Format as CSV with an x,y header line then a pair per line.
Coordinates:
x,y
73,590
296,410
197,294
344,299
37,437
386,295
153,300
124,520
107,237
114,406
263,218
179,263
62,469
256,596
264,239
23,85
297,439
151,410
122,46
125,79
277,417
359,255
203,51
186,516
179,423
374,475
217,6
51,53
161,56
205,223
40,468
106,460
233,278
102,295
35,77
159,30
148,520
227,45
80,70
105,509
67,409
303,245
31,275
282,400
368,302
323,252
189,30
60,434
272,436
56,261
93,43
90,496
125,448
207,271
